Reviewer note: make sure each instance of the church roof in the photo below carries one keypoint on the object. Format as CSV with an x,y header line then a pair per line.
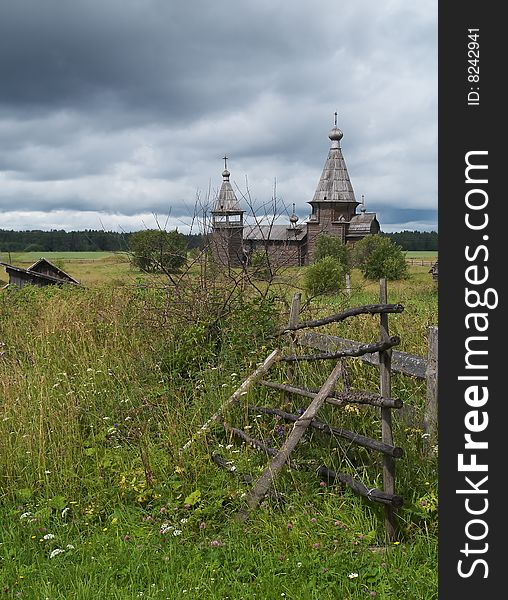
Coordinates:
x,y
335,185
226,201
363,224
275,233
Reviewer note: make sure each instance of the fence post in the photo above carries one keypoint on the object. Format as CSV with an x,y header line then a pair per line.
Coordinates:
x,y
348,284
385,360
430,416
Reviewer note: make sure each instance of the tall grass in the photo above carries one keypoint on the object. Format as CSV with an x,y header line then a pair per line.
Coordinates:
x,y
101,387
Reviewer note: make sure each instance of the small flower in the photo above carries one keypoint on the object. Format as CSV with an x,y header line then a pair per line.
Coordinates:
x,y
373,594
352,575
316,546
298,564
49,536
69,547
183,521
177,532
65,511
25,515
126,537
313,520
202,525
290,525
215,543
282,557
322,484
165,528
56,552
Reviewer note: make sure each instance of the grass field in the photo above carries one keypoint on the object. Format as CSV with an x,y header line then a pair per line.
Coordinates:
x,y
102,384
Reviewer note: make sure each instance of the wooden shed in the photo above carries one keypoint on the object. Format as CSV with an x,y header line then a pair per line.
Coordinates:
x,y
41,273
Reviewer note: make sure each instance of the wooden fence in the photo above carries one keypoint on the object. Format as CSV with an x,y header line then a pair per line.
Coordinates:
x,y
408,364
420,262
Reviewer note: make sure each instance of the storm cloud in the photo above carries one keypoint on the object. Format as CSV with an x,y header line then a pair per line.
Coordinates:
x,y
113,110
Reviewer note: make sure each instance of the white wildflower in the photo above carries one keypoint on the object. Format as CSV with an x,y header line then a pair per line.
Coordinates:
x,y
177,532
352,575
49,536
229,446
183,521
56,552
25,515
69,547
65,511
165,528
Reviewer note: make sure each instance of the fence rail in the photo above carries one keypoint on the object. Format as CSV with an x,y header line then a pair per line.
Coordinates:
x,y
408,364
419,262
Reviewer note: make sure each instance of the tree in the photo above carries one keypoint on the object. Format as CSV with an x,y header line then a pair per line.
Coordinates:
x,y
377,256
330,245
325,276
156,250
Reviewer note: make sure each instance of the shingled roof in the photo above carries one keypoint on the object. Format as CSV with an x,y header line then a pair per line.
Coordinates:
x,y
274,233
335,185
226,201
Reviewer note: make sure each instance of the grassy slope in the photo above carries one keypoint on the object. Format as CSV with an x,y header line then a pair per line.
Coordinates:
x,y
96,391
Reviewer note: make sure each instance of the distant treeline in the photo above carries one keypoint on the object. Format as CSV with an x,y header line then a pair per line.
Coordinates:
x,y
415,240
72,241
91,240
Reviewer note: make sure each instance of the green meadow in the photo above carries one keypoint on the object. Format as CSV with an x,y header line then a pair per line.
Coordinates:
x,y
102,384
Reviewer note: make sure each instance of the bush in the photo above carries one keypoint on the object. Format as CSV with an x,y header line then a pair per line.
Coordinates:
x,y
325,276
377,256
155,250
260,265
329,245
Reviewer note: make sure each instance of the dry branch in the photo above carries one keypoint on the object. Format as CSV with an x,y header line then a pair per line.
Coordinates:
x,y
241,391
337,398
356,438
368,309
361,350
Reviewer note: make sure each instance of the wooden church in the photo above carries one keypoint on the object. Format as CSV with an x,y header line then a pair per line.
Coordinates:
x,y
333,212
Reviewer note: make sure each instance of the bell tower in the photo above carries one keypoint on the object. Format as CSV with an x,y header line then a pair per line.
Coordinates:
x,y
334,203
227,224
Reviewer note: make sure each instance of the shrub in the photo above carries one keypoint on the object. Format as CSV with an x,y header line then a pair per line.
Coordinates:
x,y
260,265
325,276
329,245
377,256
155,250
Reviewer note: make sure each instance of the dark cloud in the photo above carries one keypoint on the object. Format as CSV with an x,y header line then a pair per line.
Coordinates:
x,y
126,106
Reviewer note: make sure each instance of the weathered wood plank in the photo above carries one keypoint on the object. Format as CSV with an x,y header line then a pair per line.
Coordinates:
x,y
402,362
430,418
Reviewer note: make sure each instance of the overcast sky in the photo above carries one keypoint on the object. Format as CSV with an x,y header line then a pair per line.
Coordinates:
x,y
112,111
